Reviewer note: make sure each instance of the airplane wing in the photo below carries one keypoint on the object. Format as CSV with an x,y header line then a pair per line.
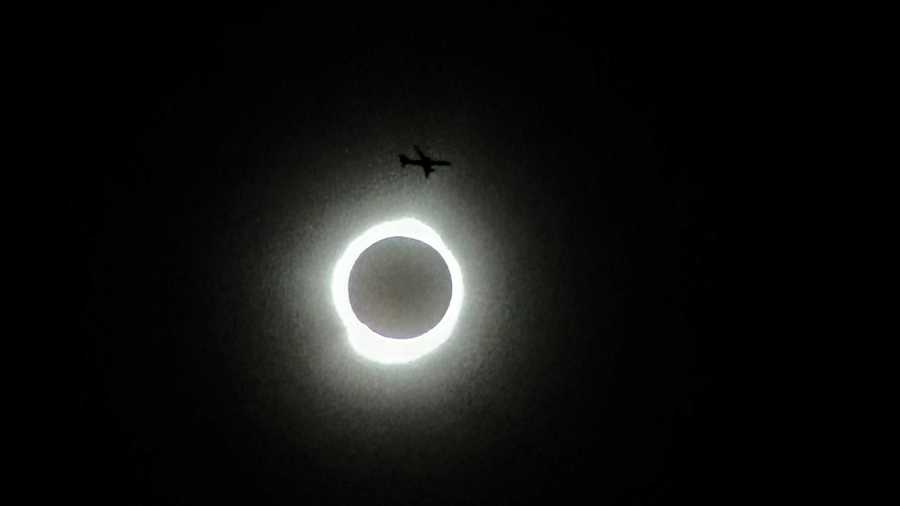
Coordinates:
x,y
419,151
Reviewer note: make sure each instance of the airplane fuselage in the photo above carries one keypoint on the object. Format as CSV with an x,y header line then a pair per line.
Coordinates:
x,y
425,162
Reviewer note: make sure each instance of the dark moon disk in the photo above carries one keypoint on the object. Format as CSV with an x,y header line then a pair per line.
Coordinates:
x,y
400,287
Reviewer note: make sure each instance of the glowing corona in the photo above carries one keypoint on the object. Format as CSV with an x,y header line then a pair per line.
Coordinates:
x,y
364,340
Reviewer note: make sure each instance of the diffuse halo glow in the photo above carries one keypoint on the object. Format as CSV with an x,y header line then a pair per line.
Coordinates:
x,y
364,340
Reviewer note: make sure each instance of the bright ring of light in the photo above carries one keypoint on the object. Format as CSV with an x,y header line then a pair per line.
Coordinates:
x,y
364,340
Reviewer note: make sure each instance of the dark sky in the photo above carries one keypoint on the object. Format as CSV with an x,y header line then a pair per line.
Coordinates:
x,y
235,153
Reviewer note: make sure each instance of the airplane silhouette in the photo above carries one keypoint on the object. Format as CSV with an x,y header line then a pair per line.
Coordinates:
x,y
424,161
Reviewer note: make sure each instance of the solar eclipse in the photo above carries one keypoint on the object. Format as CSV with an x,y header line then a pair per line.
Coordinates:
x,y
366,340
264,283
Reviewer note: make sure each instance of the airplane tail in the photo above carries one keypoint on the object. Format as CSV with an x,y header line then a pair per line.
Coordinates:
x,y
404,160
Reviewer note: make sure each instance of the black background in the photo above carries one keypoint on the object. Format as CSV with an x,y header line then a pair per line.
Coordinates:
x,y
586,157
